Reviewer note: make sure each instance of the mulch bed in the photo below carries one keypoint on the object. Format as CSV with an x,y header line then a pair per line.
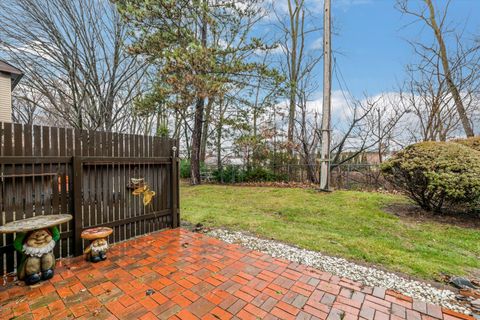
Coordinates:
x,y
413,213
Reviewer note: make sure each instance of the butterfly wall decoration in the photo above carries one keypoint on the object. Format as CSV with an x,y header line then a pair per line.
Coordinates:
x,y
146,193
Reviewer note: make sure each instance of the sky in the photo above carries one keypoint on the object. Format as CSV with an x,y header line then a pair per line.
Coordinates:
x,y
370,43
371,48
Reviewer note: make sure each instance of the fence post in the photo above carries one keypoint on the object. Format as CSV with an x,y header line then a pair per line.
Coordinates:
x,y
77,206
175,189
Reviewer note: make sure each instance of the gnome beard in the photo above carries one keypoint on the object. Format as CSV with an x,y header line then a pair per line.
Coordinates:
x,y
38,252
98,250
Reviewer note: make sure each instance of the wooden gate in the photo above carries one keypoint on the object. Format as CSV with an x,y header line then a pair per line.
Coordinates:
x,y
49,170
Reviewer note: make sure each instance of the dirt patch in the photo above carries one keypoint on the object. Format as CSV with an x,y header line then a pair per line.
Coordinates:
x,y
275,184
413,213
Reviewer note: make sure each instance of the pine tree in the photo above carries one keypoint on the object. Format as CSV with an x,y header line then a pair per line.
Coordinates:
x,y
183,40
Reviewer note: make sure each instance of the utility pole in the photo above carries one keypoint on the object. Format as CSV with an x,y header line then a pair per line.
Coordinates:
x,y
327,91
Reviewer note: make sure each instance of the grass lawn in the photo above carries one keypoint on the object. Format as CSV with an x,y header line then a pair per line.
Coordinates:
x,y
343,223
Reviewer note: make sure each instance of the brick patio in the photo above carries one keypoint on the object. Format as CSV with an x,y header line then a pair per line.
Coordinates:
x,y
177,274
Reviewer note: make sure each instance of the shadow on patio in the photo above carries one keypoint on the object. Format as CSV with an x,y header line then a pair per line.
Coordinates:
x,y
176,274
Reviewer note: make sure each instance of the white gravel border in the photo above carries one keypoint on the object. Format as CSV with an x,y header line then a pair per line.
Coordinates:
x,y
343,268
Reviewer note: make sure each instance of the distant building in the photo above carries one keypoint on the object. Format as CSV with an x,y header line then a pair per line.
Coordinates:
x,y
235,161
9,78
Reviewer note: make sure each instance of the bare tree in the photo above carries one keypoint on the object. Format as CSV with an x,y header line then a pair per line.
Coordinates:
x,y
308,126
371,125
26,105
382,121
436,21
434,117
297,63
73,54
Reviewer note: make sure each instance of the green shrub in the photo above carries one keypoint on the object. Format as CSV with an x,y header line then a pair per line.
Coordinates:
x,y
473,142
236,174
229,174
185,169
437,175
261,175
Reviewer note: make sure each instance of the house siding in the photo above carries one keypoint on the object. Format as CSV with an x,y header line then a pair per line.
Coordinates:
x,y
5,98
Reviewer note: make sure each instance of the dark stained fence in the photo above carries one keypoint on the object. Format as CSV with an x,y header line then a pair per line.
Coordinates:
x,y
49,170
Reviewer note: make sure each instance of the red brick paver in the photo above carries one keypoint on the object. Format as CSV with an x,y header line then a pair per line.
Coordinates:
x,y
177,274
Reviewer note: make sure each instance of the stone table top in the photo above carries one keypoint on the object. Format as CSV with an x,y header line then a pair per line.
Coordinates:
x,y
35,223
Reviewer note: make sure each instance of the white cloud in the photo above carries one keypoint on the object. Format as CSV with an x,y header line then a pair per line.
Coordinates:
x,y
407,131
317,43
341,104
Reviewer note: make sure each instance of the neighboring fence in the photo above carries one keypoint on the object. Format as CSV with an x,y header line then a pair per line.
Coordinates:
x,y
345,176
359,177
48,170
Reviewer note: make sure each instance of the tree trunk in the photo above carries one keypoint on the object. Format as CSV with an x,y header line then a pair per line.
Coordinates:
x,y
219,151
196,142
160,124
176,131
379,134
206,122
255,127
187,143
448,75
219,140
255,156
294,24
291,118
311,172
198,123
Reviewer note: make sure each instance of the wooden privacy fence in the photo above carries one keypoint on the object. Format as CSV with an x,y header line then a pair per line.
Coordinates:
x,y
49,170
